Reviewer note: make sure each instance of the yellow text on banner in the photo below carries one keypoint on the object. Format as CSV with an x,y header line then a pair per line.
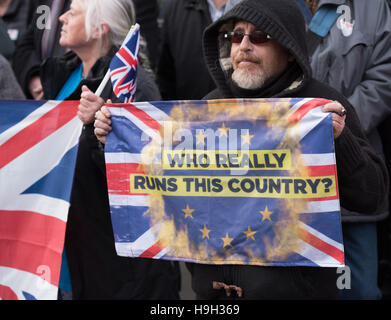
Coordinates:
x,y
227,159
235,186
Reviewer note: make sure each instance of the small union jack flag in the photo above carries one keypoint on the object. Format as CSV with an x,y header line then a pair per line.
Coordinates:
x,y
123,67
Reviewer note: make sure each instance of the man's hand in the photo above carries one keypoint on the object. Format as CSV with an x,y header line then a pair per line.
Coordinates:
x,y
90,103
35,88
339,116
102,123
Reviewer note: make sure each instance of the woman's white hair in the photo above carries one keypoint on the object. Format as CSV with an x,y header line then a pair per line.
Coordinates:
x,y
118,14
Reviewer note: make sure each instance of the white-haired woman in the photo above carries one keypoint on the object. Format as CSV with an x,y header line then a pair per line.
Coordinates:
x,y
93,30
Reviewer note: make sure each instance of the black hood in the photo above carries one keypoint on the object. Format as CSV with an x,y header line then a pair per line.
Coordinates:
x,y
281,19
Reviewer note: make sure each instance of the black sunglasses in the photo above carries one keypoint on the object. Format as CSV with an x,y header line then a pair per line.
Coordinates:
x,y
256,37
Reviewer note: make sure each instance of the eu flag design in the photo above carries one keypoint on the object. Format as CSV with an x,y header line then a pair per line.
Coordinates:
x,y
38,147
249,181
123,67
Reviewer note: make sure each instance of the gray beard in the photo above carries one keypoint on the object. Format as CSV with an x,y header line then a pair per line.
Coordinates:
x,y
245,80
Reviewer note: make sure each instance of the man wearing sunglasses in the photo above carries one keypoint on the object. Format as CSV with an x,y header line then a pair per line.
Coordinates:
x,y
258,50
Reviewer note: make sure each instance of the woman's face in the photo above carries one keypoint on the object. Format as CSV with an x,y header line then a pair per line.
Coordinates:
x,y
73,31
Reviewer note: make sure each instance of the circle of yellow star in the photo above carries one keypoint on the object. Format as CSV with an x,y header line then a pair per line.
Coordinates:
x,y
205,232
200,137
266,214
227,241
188,212
223,130
250,233
247,138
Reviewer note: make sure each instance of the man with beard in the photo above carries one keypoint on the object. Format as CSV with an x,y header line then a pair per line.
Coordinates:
x,y
258,50
261,52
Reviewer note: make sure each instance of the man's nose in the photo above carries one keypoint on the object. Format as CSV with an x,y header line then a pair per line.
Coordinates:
x,y
245,44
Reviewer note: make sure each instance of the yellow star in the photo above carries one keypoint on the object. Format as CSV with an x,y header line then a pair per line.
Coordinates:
x,y
188,212
227,241
224,131
247,138
201,137
266,214
249,233
205,232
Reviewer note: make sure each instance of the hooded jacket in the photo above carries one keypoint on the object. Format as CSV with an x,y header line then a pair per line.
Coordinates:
x,y
362,175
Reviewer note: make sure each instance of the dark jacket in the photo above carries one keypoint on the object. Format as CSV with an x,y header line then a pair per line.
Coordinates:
x,y
96,270
362,176
18,17
9,87
181,73
147,13
28,55
7,46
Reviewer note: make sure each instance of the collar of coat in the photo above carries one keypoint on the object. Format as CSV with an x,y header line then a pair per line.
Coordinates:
x,y
336,2
195,4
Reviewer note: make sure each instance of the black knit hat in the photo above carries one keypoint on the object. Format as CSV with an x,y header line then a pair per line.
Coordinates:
x,y
281,19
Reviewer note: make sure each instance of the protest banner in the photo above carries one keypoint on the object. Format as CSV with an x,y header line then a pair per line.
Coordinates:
x,y
225,182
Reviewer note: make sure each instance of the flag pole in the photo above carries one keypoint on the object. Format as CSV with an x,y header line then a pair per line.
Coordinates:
x,y
102,85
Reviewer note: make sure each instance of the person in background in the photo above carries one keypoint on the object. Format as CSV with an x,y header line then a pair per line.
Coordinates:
x,y
39,41
93,30
9,87
17,15
181,71
147,13
7,46
353,56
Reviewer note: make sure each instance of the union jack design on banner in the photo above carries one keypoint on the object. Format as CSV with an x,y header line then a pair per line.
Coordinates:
x,y
38,147
239,181
123,67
